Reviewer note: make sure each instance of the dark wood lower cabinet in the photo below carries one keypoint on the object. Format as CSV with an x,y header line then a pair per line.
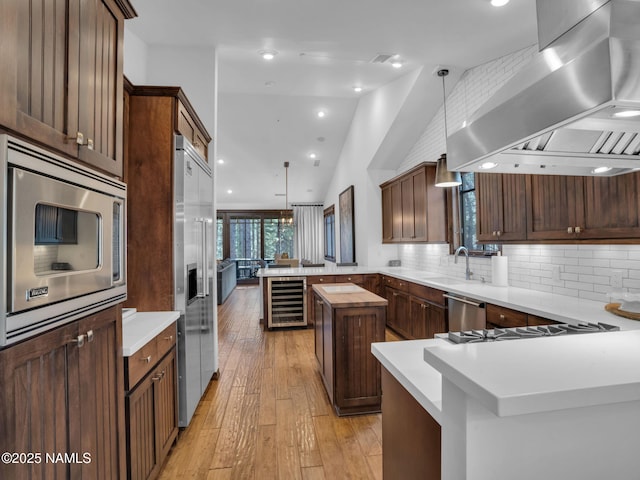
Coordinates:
x,y
152,419
415,311
64,397
410,436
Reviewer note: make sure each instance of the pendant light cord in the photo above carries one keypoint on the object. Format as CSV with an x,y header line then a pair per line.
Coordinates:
x,y
443,73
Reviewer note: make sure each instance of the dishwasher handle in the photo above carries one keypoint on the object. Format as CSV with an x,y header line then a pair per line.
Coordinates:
x,y
463,300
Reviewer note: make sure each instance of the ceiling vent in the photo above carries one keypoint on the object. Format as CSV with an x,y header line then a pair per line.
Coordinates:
x,y
381,57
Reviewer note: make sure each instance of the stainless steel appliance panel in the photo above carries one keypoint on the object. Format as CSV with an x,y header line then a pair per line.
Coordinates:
x,y
193,244
465,313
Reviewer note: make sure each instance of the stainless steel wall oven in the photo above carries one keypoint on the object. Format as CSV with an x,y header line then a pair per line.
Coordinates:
x,y
63,240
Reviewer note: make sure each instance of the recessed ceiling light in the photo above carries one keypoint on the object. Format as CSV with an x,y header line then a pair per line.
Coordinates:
x,y
357,89
627,113
312,155
499,3
600,169
268,54
396,64
229,191
321,113
488,165
220,161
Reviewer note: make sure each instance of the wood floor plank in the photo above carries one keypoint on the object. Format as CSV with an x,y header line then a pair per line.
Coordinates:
x,y
287,450
266,461
268,415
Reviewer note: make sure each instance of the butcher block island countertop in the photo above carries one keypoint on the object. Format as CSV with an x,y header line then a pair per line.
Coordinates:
x,y
340,295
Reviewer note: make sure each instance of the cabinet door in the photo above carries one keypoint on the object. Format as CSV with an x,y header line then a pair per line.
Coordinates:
x,y
501,211
372,283
435,217
318,328
96,33
611,207
97,386
33,72
327,349
35,406
166,407
399,311
408,211
357,370
419,318
142,451
551,206
396,211
387,215
502,317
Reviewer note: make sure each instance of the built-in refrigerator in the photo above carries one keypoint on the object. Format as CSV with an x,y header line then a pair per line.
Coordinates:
x,y
194,265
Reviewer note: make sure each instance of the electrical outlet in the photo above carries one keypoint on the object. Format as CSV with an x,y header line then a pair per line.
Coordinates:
x,y
616,279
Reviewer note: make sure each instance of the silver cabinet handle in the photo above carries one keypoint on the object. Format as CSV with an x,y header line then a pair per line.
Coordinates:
x,y
79,341
578,230
146,359
90,336
570,230
170,338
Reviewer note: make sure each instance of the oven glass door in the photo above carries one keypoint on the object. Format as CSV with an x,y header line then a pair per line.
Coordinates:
x,y
57,235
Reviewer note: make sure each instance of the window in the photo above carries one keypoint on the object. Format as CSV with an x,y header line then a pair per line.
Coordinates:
x,y
330,233
468,217
252,238
278,237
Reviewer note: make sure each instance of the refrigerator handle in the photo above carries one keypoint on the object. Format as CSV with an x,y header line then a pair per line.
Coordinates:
x,y
203,244
205,256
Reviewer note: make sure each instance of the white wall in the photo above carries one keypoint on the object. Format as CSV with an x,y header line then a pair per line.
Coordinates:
x,y
374,117
135,58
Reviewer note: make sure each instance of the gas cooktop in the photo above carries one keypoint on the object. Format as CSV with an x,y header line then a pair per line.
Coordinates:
x,y
500,334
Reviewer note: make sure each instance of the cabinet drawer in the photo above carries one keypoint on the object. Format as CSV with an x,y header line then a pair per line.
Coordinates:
x,y
321,279
393,282
166,340
432,294
141,362
505,317
357,278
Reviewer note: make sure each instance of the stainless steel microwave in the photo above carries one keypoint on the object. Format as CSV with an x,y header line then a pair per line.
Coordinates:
x,y
63,239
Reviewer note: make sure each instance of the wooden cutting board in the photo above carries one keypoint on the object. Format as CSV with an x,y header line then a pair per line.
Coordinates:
x,y
615,309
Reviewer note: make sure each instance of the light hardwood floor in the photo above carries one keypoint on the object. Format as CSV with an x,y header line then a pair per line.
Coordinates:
x,y
268,416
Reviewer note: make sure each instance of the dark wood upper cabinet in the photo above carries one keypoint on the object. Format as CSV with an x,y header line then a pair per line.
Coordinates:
x,y
552,206
61,75
413,208
501,207
611,207
557,208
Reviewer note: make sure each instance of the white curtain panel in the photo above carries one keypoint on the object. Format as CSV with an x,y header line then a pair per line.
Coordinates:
x,y
309,232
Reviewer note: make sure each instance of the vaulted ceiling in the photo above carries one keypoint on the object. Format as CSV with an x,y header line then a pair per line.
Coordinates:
x,y
267,109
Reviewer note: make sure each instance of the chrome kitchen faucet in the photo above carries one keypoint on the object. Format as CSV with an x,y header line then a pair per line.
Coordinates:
x,y
463,249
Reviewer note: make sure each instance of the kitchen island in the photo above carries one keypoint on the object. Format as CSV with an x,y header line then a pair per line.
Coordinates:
x,y
348,319
563,407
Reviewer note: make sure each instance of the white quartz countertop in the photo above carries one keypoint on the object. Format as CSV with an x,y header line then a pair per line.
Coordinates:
x,y
140,327
404,360
561,308
543,374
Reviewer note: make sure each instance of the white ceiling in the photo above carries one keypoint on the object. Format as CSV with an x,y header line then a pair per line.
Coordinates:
x,y
266,109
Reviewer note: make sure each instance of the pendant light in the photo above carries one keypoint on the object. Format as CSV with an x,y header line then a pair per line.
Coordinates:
x,y
444,177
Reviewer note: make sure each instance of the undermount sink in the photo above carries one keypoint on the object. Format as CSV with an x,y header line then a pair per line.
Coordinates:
x,y
342,289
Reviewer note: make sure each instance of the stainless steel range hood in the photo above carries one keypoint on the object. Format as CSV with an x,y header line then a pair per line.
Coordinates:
x,y
561,114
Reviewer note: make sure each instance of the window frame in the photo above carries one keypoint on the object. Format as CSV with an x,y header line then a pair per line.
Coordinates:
x,y
456,222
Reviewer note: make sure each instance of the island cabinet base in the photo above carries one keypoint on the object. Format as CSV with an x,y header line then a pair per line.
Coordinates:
x,y
346,324
410,436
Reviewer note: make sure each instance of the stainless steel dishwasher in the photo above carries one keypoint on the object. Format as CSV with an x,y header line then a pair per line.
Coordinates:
x,y
465,313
